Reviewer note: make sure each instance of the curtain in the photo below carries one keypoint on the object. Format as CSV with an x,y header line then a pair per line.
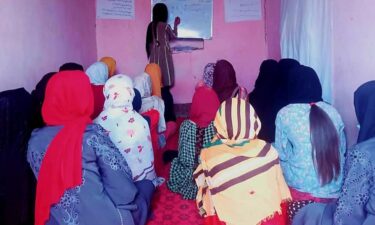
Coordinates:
x,y
306,35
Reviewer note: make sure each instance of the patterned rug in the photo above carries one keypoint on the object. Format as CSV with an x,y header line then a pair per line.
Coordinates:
x,y
169,208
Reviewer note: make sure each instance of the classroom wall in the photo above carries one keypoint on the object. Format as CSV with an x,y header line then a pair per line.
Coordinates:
x,y
242,43
354,54
272,20
38,36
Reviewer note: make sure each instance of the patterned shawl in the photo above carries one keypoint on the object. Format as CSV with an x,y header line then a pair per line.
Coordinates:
x,y
239,177
127,129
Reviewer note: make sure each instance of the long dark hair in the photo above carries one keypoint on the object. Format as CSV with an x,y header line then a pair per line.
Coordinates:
x,y
325,144
159,14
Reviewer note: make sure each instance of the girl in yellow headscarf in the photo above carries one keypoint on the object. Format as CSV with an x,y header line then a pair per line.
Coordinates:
x,y
239,176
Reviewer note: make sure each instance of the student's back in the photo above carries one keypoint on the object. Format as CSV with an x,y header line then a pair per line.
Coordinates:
x,y
356,204
195,133
239,177
310,139
106,182
82,177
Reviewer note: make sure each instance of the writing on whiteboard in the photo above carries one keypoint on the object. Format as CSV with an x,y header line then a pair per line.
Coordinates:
x,y
115,9
241,10
196,17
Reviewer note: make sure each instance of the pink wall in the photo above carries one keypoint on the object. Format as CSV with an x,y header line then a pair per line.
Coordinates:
x,y
242,43
272,17
38,36
354,54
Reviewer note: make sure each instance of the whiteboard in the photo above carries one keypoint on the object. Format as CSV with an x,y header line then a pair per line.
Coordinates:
x,y
196,17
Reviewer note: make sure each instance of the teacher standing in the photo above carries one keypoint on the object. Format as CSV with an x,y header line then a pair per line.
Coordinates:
x,y
159,34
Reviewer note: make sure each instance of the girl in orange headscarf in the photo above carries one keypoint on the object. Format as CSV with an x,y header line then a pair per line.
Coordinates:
x,y
111,63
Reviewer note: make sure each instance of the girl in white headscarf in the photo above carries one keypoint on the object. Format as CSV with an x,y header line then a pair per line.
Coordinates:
x,y
127,129
143,84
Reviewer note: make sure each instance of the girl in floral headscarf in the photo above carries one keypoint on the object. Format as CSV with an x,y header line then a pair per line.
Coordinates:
x,y
127,129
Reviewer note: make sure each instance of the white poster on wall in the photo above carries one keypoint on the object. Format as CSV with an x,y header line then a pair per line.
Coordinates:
x,y
242,10
115,9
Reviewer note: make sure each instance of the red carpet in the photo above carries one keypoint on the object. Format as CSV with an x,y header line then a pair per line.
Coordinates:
x,y
169,208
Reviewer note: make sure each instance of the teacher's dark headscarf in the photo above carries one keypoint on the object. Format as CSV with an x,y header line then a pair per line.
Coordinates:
x,y
17,187
37,100
262,98
224,80
364,103
304,86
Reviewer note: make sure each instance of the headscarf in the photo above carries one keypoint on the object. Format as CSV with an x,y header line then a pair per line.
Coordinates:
x,y
204,106
68,102
234,170
143,84
17,181
38,97
137,101
71,66
304,86
98,73
268,75
15,110
111,64
208,74
281,98
364,104
236,121
286,65
153,70
263,96
224,80
126,128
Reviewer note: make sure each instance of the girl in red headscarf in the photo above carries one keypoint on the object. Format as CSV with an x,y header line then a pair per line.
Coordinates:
x,y
82,177
195,132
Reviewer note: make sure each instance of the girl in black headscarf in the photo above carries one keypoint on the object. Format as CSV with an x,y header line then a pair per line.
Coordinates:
x,y
37,101
17,187
263,96
356,204
310,140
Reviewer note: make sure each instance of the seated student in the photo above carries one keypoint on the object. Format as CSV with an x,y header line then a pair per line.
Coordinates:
x,y
143,83
111,64
37,96
154,71
127,129
195,133
207,78
356,204
82,177
224,80
98,74
310,140
71,66
262,98
17,188
239,177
